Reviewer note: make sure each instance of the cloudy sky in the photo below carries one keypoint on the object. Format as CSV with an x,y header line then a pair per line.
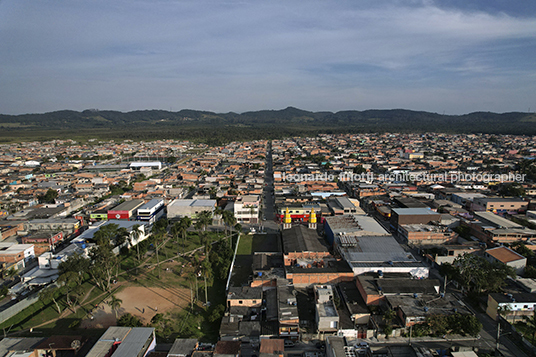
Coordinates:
x,y
445,56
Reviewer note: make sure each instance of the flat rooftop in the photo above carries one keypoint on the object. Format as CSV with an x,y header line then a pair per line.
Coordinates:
x,y
300,238
151,203
414,211
428,304
376,249
353,224
495,220
127,206
424,228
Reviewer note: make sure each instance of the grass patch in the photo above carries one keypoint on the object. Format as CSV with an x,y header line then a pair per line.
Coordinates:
x,y
34,314
246,245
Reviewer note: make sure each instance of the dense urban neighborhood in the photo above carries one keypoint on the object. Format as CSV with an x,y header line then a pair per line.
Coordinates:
x,y
339,245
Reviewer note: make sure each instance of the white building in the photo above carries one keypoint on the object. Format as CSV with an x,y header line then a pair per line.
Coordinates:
x,y
246,209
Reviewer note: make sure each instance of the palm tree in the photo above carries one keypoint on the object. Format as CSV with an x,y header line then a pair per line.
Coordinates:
x,y
115,304
175,231
184,224
229,220
204,219
207,273
158,236
136,234
212,192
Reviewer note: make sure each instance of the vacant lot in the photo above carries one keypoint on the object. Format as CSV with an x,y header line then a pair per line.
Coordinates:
x,y
143,302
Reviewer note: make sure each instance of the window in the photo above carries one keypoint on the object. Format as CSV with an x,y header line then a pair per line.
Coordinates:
x,y
254,301
240,302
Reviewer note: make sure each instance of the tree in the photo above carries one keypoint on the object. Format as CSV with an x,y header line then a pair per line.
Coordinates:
x,y
204,219
229,220
104,268
76,263
158,237
511,189
206,270
49,197
212,192
476,274
48,294
105,234
135,236
438,324
184,224
217,313
115,304
4,291
238,227
122,235
530,323
522,249
129,320
388,318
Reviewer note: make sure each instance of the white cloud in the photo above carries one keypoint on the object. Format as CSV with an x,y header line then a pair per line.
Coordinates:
x,y
246,55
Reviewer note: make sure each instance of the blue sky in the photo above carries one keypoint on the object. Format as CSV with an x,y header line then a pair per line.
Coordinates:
x,y
442,56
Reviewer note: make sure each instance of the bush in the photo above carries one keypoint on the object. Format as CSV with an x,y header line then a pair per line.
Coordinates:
x,y
4,291
129,320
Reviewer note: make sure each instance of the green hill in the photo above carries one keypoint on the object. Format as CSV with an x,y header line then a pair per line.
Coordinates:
x,y
221,127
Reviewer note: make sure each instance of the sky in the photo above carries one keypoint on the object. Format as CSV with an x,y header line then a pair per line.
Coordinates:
x,y
444,56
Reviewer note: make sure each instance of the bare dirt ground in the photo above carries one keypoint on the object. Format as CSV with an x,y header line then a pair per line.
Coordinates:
x,y
143,302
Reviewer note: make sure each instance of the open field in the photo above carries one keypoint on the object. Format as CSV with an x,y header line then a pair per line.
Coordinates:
x,y
142,302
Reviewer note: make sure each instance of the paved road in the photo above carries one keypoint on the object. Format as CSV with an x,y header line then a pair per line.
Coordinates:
x,y
268,217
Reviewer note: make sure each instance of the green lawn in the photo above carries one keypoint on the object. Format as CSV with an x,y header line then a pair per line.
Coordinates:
x,y
246,244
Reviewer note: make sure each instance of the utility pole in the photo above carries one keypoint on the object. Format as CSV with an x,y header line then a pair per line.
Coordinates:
x,y
206,294
497,353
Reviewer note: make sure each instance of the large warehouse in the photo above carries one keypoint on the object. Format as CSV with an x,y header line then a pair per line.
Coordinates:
x,y
189,208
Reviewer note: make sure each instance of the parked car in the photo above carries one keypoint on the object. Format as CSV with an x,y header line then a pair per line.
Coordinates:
x,y
289,343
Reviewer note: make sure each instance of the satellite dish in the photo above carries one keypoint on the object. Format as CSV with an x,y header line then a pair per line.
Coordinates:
x,y
75,344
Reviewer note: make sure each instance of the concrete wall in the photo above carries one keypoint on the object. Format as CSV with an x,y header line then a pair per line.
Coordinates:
x,y
18,307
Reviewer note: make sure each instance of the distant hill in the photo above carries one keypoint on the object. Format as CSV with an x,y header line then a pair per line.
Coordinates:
x,y
202,125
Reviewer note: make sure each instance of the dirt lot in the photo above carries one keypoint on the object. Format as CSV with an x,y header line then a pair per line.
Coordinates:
x,y
143,302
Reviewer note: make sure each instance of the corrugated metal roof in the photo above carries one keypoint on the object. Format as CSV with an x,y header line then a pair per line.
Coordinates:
x,y
105,342
182,347
127,205
134,342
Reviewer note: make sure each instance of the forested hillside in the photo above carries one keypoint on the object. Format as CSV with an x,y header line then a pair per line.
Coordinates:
x,y
222,127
